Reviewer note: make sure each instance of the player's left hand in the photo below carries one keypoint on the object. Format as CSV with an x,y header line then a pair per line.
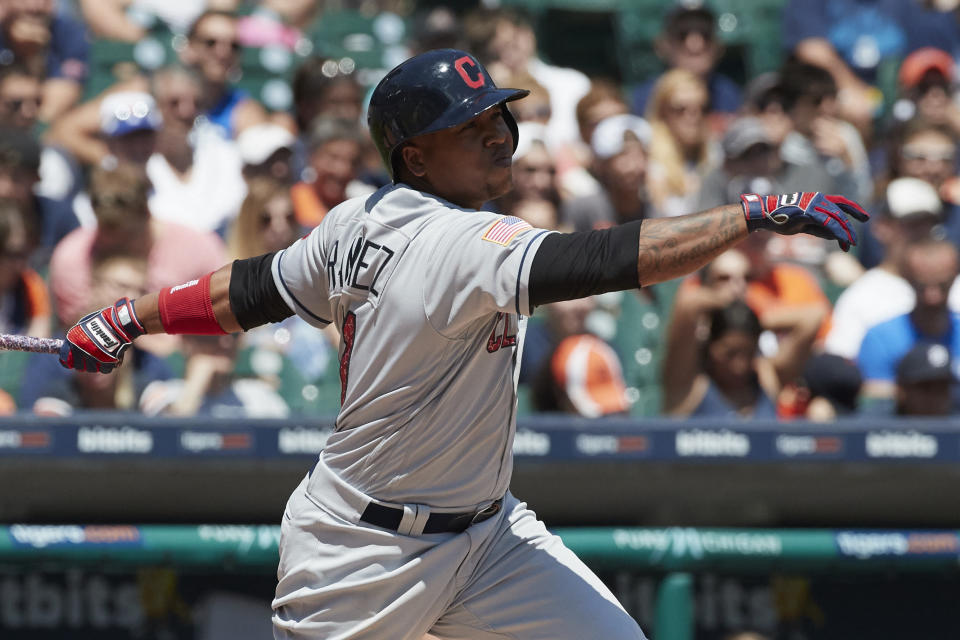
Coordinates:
x,y
810,212
98,341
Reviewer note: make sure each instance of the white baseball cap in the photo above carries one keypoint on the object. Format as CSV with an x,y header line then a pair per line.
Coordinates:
x,y
610,135
912,196
260,141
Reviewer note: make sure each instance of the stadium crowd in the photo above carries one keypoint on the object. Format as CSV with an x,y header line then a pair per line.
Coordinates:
x,y
145,143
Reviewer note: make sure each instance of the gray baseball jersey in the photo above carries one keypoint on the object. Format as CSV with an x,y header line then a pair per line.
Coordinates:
x,y
430,300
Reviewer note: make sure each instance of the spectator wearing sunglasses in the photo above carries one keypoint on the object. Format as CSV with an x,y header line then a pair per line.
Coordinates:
x,y
213,51
49,43
689,41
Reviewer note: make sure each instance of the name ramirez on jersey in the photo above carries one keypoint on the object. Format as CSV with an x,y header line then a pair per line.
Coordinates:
x,y
431,301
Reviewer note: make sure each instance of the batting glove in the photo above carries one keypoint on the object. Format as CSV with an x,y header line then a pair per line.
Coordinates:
x,y
98,341
804,212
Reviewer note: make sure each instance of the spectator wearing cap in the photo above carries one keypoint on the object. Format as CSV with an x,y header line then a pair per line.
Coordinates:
x,y
931,267
129,121
828,389
926,84
124,225
925,379
266,149
682,148
196,174
51,44
688,40
583,377
912,213
619,144
335,149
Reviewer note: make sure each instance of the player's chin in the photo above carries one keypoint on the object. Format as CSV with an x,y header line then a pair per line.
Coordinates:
x,y
500,184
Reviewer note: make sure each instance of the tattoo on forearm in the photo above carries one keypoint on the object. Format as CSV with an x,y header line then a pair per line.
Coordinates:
x,y
671,247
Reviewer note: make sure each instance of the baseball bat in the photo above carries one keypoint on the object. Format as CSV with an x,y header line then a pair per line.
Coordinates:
x,y
10,342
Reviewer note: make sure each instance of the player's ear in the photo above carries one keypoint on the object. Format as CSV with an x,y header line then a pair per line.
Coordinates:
x,y
413,159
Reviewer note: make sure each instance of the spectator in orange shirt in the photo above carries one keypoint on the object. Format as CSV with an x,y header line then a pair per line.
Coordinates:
x,y
335,150
778,291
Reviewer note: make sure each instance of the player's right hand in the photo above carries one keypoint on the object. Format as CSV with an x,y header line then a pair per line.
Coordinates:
x,y
804,212
98,341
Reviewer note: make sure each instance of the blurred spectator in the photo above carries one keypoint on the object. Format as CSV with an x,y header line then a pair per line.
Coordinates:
x,y
827,390
335,147
552,323
931,268
688,40
175,254
266,150
128,20
912,213
21,94
619,146
819,137
925,377
51,44
266,221
213,51
583,377
681,149
436,28
24,299
505,42
927,83
853,40
713,365
604,99
196,175
321,87
209,386
278,23
129,121
920,149
781,292
534,171
52,390
19,176
751,165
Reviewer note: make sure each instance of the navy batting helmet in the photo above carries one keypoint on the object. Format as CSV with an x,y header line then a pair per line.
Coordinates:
x,y
435,90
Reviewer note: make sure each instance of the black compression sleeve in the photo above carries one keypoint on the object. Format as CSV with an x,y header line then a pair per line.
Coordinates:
x,y
580,264
254,297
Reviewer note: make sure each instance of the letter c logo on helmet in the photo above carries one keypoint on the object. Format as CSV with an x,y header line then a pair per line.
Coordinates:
x,y
473,83
430,92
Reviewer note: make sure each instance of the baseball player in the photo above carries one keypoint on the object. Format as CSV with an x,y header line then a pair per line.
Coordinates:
x,y
406,525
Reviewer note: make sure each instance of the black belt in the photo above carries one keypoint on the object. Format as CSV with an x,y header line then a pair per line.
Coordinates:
x,y
390,517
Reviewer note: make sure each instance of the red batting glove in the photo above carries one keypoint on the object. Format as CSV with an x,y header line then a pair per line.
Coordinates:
x,y
98,341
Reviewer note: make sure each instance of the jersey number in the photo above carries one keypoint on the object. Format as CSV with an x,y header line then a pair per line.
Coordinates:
x,y
349,334
501,339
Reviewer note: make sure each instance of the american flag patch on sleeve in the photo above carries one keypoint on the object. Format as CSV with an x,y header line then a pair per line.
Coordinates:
x,y
503,231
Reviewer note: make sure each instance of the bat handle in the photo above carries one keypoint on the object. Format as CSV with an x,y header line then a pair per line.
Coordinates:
x,y
10,342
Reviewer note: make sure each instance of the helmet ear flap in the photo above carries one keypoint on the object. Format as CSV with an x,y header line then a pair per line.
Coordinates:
x,y
512,123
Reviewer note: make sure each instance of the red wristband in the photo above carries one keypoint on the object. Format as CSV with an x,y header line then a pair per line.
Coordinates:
x,y
187,308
